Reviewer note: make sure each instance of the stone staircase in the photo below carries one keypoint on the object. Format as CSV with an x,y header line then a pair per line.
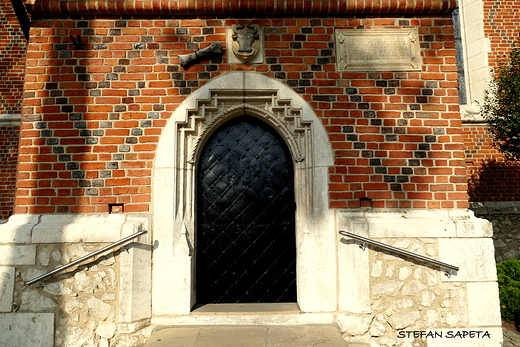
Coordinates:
x,y
249,336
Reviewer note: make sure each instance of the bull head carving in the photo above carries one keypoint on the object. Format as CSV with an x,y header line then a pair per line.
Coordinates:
x,y
245,35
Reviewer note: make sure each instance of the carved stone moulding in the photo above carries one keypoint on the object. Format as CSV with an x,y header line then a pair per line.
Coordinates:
x,y
216,7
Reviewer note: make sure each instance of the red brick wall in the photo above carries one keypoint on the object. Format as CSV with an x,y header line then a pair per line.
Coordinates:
x,y
12,65
502,27
490,176
12,51
8,159
93,117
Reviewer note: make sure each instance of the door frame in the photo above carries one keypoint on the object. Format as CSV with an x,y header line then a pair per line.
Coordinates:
x,y
228,96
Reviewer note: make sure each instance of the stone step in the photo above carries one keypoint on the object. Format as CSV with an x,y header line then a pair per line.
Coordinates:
x,y
249,336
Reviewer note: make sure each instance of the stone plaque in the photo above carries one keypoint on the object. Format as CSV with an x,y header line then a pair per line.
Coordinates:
x,y
378,50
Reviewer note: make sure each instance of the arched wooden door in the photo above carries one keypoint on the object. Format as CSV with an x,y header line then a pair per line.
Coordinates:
x,y
245,245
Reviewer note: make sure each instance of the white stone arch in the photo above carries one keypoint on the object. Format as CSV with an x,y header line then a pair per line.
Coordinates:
x,y
232,95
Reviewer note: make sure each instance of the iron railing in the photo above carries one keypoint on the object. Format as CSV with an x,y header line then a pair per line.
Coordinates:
x,y
88,256
366,241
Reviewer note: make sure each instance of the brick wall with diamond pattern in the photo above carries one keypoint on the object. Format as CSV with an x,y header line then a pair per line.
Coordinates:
x,y
12,65
92,117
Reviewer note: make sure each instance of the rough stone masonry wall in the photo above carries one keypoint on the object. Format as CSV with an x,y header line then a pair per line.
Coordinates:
x,y
85,297
408,295
92,117
12,66
90,304
505,219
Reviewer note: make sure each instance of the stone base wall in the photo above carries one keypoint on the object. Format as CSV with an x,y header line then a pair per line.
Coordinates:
x,y
378,297
99,302
505,217
408,296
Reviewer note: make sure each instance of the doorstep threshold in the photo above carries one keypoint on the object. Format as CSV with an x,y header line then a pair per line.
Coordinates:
x,y
245,309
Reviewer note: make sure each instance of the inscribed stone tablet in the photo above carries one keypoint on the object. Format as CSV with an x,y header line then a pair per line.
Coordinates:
x,y
378,50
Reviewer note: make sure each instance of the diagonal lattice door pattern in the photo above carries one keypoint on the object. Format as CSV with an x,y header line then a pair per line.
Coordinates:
x,y
246,249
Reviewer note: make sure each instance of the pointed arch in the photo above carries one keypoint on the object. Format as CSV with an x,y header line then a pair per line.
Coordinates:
x,y
228,96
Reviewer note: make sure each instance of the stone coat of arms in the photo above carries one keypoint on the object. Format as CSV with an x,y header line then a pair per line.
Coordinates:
x,y
246,43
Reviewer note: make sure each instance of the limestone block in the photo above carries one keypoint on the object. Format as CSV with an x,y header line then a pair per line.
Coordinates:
x,y
454,318
397,223
316,262
78,228
98,309
26,329
474,257
83,282
427,298
44,256
475,227
109,296
99,227
32,273
386,288
33,300
56,255
379,326
73,305
106,331
483,304
413,287
17,254
403,320
77,336
56,288
405,272
354,324
163,188
432,318
6,288
18,228
403,304
178,282
135,280
354,278
476,30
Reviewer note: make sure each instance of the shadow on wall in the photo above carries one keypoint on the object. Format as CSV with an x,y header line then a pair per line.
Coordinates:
x,y
495,180
9,140
73,160
494,190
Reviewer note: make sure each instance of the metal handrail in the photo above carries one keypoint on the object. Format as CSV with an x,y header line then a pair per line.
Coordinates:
x,y
93,254
400,251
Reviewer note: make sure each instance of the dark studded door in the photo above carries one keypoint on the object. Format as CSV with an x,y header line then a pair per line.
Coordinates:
x,y
246,249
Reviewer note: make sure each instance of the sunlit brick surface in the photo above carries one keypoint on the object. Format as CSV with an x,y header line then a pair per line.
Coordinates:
x,y
93,117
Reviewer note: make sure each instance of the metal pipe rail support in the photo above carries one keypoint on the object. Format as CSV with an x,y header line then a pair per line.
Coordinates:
x,y
88,256
365,241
